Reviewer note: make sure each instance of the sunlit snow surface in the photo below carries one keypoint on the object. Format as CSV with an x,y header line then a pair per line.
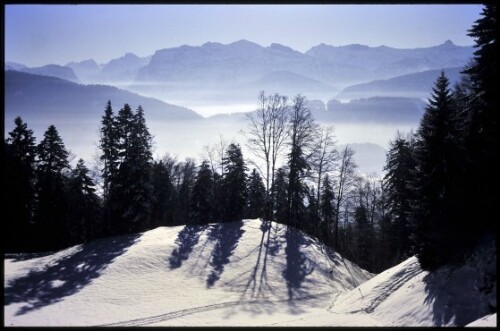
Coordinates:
x,y
233,274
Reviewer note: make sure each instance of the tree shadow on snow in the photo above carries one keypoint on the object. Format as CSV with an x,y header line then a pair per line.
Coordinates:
x,y
257,285
66,276
227,236
17,257
458,297
298,265
186,240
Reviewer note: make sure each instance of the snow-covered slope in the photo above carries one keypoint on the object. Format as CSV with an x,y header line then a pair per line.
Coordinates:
x,y
486,321
238,273
405,295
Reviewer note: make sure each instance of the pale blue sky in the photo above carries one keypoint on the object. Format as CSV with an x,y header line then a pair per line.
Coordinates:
x,y
36,35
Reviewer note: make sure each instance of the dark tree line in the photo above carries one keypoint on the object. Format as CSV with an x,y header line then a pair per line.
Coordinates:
x,y
48,205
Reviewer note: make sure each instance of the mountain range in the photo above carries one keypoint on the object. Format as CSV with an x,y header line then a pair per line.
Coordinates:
x,y
236,72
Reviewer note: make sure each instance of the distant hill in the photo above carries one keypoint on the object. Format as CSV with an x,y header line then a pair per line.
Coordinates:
x,y
76,110
285,83
13,66
52,70
123,69
34,96
416,85
375,109
86,70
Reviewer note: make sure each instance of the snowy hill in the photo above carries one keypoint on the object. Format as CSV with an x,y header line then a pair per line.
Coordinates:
x,y
405,295
239,274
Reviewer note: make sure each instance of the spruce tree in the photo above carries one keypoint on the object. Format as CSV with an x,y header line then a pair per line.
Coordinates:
x,y
202,199
52,190
327,210
400,169
134,185
162,193
125,123
363,238
234,183
296,187
312,224
185,178
481,140
302,130
85,209
280,189
436,178
19,186
256,196
109,144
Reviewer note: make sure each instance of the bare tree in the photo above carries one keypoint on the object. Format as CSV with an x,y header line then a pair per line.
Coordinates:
x,y
267,134
324,156
221,148
210,154
345,181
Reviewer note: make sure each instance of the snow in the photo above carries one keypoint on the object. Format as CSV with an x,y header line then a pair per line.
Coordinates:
x,y
486,321
233,274
405,295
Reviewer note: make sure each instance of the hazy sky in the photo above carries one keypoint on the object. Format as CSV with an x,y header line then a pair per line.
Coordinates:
x,y
36,35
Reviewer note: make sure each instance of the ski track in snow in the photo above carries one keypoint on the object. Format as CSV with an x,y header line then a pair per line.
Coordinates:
x,y
201,309
385,291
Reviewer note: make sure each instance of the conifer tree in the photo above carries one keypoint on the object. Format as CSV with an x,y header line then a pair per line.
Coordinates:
x,y
280,189
481,140
327,210
400,169
109,144
312,215
162,193
84,211
437,170
134,185
234,183
301,131
19,183
52,190
185,178
202,199
256,195
363,238
125,128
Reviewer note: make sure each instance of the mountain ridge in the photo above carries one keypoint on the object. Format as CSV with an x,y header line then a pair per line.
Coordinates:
x,y
220,70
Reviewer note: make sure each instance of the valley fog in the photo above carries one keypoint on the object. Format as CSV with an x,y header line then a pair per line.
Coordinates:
x,y
188,138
